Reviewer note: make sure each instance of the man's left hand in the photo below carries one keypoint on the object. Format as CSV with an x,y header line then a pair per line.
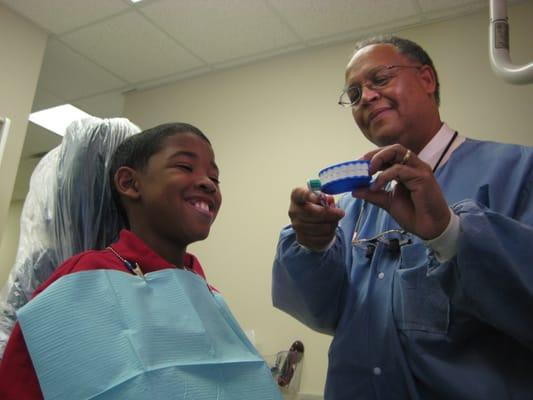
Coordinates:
x,y
416,201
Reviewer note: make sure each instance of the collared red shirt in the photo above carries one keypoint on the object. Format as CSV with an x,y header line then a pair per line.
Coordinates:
x,y
18,380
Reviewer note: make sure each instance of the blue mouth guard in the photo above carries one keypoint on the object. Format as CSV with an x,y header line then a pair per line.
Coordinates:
x,y
341,178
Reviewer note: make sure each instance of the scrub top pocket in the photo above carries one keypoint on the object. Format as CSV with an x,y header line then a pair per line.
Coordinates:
x,y
419,303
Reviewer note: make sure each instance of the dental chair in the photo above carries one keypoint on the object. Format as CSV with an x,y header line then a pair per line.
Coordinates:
x,y
68,209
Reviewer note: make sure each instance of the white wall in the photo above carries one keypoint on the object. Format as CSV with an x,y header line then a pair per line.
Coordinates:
x,y
22,47
274,124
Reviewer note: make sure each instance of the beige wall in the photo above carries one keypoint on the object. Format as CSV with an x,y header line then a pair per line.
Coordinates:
x,y
21,52
274,124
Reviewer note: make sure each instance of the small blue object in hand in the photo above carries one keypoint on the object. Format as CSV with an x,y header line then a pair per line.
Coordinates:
x,y
341,178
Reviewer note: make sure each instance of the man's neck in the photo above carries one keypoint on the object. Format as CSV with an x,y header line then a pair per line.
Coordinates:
x,y
426,132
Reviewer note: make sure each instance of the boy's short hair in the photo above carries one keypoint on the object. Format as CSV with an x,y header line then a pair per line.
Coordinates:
x,y
135,152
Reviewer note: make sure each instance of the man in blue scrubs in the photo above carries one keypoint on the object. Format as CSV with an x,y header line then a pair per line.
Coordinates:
x,y
425,279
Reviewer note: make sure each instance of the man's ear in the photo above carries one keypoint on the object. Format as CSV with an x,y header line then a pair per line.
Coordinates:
x,y
428,78
126,183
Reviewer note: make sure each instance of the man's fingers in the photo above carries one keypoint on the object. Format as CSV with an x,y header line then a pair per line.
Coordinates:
x,y
301,196
307,206
379,198
315,229
389,156
368,156
313,222
315,213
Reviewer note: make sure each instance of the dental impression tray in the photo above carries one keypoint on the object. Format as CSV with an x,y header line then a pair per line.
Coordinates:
x,y
341,178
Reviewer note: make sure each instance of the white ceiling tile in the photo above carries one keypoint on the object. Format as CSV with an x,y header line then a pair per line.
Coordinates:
x,y
221,30
440,5
59,16
132,48
107,105
257,57
390,27
68,75
169,79
318,18
44,99
39,140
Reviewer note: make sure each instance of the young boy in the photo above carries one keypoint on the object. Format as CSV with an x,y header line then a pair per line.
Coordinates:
x,y
137,320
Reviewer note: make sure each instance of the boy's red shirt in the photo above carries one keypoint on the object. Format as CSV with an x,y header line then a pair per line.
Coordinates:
x,y
18,380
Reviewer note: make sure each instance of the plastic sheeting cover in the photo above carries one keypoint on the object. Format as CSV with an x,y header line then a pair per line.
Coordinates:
x,y
68,209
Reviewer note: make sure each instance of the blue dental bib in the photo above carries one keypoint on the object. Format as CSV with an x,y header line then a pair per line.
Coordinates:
x,y
105,335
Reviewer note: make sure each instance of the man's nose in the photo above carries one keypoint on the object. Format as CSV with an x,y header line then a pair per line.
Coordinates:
x,y
368,94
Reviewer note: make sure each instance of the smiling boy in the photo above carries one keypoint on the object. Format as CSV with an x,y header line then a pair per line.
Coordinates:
x,y
140,321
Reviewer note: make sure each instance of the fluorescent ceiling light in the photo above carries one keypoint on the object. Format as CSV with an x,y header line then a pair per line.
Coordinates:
x,y
56,119
136,1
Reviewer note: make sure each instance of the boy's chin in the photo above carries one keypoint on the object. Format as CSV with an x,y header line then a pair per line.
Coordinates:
x,y
198,236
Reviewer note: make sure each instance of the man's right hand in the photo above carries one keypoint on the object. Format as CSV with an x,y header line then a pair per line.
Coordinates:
x,y
315,224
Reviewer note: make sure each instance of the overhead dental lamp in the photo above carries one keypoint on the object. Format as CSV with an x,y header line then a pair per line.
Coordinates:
x,y
500,59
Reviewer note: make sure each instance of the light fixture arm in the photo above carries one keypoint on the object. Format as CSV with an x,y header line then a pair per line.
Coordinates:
x,y
500,59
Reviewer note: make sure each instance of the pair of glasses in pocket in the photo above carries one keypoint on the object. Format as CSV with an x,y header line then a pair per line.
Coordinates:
x,y
393,239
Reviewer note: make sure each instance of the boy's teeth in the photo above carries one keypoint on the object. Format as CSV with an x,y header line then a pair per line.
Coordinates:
x,y
201,205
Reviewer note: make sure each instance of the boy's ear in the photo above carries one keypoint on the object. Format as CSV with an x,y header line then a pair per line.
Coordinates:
x,y
126,183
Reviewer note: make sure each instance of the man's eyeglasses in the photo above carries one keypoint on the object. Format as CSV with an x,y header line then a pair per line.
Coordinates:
x,y
379,78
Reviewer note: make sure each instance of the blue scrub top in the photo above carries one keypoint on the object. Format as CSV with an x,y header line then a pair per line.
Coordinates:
x,y
408,327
